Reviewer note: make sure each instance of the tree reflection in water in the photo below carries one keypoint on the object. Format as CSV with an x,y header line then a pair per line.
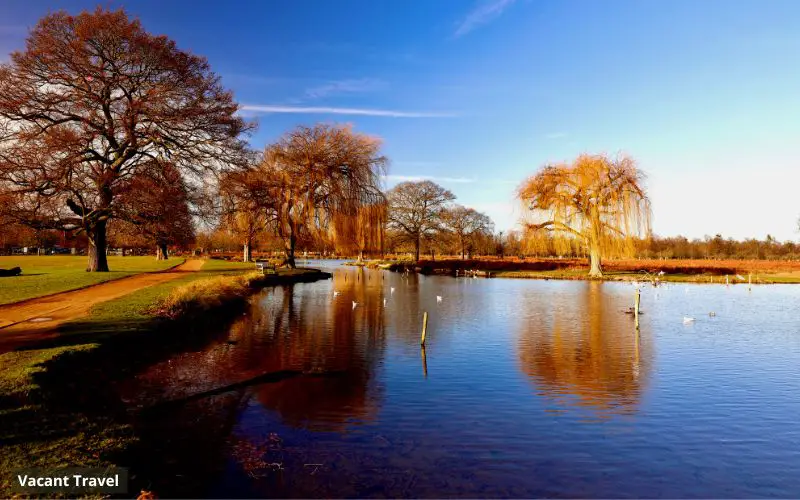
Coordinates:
x,y
586,354
296,328
323,335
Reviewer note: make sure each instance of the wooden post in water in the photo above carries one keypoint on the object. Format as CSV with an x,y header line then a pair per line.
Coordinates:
x,y
636,308
424,362
424,328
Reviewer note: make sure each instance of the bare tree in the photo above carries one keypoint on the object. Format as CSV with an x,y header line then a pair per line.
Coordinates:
x,y
416,210
325,183
465,223
91,101
599,201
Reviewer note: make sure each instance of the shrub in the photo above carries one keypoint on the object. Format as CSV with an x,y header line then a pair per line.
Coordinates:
x,y
202,295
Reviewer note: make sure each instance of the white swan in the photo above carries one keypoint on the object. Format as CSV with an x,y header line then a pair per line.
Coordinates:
x,y
438,298
336,293
687,320
355,304
391,290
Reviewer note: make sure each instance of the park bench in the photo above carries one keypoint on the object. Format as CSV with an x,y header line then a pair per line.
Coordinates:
x,y
265,267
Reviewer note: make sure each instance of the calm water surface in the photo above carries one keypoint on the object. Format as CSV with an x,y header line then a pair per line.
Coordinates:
x,y
526,388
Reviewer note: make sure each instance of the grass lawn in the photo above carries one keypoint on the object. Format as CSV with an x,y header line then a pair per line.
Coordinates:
x,y
48,274
133,311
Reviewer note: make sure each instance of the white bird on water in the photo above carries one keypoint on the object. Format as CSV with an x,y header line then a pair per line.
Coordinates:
x,y
355,304
687,320
384,302
661,273
391,290
438,298
336,293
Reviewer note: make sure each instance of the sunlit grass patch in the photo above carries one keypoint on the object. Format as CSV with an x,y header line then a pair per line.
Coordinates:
x,y
204,294
48,274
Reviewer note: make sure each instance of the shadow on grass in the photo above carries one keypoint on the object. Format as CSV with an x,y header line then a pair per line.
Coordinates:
x,y
75,416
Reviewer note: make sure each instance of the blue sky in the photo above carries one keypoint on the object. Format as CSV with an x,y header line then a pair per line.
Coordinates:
x,y
477,95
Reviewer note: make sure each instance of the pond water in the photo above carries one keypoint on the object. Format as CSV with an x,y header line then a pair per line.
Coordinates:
x,y
526,388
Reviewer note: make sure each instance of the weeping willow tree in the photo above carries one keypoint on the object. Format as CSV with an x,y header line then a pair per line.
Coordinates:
x,y
598,201
360,227
326,186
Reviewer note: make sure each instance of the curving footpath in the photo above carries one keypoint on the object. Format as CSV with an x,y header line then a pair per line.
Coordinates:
x,y
39,318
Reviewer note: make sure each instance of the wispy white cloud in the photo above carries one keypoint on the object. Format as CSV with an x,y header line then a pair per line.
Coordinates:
x,y
344,87
417,178
484,12
325,110
555,135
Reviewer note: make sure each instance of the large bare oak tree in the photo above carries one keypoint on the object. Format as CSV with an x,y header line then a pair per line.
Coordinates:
x,y
92,100
417,210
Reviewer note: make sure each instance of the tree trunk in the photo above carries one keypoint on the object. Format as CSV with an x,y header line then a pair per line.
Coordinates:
x,y
98,262
289,247
416,250
162,253
247,254
123,251
595,269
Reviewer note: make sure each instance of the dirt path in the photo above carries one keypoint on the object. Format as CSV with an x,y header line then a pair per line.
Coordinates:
x,y
38,317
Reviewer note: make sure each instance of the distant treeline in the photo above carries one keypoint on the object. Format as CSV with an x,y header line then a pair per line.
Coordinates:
x,y
519,244
657,247
501,244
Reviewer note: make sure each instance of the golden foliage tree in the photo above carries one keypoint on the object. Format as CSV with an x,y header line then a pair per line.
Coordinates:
x,y
597,200
324,183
